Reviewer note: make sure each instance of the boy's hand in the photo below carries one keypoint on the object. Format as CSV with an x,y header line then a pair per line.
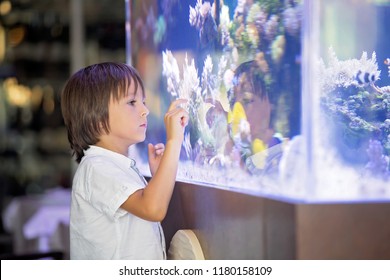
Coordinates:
x,y
176,119
155,153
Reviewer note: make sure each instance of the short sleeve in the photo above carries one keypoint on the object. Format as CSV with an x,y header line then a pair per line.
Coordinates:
x,y
109,187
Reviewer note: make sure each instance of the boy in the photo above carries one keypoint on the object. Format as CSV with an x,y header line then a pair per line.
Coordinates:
x,y
254,138
115,213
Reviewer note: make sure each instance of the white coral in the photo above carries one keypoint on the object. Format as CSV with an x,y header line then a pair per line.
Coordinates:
x,y
338,73
172,73
190,82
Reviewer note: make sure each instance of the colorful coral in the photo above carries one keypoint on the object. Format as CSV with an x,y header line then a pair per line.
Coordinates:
x,y
359,108
256,31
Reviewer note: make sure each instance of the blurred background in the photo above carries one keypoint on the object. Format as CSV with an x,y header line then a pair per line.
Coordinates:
x,y
41,43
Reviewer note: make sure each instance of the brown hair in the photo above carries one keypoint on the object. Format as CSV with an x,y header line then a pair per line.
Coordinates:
x,y
249,76
85,100
251,73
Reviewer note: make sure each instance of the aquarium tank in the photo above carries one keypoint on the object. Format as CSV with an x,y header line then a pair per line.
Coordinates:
x,y
288,99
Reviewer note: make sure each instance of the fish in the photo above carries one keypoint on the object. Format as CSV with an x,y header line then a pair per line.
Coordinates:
x,y
387,62
364,78
236,117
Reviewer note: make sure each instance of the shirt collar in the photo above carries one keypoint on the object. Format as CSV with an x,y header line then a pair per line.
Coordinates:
x,y
99,151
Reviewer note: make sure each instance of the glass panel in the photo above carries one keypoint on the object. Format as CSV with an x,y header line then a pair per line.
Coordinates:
x,y
254,73
238,64
350,99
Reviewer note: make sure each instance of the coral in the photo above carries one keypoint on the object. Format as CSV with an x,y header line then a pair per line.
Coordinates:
x,y
171,72
204,96
361,111
277,48
255,32
378,164
344,73
201,17
292,19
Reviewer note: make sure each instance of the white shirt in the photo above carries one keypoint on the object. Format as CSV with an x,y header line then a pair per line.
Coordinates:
x,y
99,228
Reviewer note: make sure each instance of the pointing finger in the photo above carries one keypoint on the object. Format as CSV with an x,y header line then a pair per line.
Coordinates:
x,y
177,103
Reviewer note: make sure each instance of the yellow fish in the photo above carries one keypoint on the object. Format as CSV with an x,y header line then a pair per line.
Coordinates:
x,y
235,116
258,146
259,154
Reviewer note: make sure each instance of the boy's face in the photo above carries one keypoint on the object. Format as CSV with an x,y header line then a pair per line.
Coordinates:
x,y
127,120
258,113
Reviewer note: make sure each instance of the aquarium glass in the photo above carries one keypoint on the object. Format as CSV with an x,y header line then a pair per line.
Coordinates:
x,y
346,99
287,99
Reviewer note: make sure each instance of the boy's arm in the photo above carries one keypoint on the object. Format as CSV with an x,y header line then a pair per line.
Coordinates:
x,y
151,203
155,153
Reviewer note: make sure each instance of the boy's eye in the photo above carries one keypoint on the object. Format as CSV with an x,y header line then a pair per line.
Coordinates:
x,y
247,101
132,102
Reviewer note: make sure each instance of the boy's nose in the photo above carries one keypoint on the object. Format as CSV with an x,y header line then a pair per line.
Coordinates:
x,y
145,112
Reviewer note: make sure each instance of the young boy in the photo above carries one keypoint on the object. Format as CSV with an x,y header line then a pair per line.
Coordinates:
x,y
251,128
115,213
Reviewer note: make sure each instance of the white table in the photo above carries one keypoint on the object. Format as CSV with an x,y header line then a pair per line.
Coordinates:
x,y
39,223
45,225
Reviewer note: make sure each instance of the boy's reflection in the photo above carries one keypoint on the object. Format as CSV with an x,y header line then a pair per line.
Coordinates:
x,y
250,119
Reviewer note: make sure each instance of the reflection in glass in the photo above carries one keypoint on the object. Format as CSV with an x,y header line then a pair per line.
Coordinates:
x,y
240,65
